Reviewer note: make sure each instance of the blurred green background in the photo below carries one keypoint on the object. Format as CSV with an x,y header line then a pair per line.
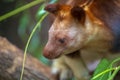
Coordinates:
x,y
18,27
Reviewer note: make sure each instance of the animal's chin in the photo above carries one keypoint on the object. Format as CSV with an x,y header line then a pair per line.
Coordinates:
x,y
53,56
56,56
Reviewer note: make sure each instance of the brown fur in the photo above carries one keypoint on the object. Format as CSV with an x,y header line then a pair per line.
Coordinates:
x,y
108,13
97,35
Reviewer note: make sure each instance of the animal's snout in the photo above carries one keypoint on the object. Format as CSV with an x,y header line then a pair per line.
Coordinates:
x,y
51,52
47,53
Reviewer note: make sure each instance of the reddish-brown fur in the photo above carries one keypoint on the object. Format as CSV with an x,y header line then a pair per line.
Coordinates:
x,y
108,12
92,30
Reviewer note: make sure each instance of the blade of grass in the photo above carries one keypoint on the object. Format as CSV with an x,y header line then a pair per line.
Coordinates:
x,y
102,66
7,15
43,15
28,42
112,63
111,75
102,73
114,73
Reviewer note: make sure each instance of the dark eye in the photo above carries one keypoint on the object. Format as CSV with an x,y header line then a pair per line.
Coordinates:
x,y
61,40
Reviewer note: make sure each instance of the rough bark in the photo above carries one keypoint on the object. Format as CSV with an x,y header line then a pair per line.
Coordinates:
x,y
11,59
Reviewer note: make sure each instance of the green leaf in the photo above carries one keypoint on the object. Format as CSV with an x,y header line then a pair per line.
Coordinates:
x,y
53,1
102,71
41,10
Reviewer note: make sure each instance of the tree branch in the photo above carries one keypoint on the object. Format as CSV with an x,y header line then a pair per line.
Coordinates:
x,y
11,64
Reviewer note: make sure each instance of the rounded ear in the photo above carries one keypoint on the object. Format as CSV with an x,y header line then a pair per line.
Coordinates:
x,y
78,13
52,8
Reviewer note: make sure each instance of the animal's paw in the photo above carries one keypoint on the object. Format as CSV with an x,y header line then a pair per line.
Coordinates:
x,y
63,73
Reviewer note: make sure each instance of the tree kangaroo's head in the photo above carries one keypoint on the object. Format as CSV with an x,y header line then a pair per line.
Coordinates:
x,y
67,33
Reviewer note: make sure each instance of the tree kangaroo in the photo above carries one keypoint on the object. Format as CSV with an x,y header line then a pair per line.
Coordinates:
x,y
83,33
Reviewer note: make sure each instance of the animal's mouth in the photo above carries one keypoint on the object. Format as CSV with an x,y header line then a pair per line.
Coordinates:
x,y
57,56
52,55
